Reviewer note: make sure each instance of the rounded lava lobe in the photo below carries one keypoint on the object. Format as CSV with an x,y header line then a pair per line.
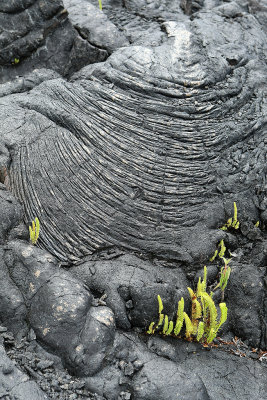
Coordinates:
x,y
131,286
60,309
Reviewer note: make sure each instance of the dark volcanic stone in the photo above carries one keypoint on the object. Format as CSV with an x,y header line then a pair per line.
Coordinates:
x,y
186,108
59,309
16,385
152,381
144,149
38,34
131,279
245,296
94,26
225,376
10,212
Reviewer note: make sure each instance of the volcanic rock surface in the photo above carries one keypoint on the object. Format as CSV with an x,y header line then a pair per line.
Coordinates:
x,y
130,133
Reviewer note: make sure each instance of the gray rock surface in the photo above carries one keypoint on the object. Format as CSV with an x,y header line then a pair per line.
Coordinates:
x,y
94,26
131,286
193,119
16,385
246,294
132,166
38,34
138,371
224,376
59,309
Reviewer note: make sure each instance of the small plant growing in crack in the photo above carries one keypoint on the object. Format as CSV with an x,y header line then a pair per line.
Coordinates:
x,y
220,252
100,4
34,231
204,323
232,222
224,276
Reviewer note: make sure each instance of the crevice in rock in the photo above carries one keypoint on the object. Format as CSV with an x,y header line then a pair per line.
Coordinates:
x,y
85,37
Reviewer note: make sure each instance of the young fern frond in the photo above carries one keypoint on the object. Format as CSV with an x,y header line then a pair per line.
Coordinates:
x,y
180,310
199,288
237,225
222,278
170,328
235,214
160,304
33,226
151,329
100,4
200,330
225,274
161,318
211,336
197,310
223,249
178,327
188,326
166,324
37,229
212,310
31,234
180,317
223,316
232,222
214,255
196,314
204,282
34,230
191,292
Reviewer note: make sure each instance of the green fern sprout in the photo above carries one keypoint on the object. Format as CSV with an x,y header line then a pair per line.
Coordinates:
x,y
152,326
224,277
196,312
214,329
34,230
166,324
170,328
200,330
211,317
100,4
188,326
214,255
223,249
219,252
204,324
225,274
180,317
232,222
160,304
223,318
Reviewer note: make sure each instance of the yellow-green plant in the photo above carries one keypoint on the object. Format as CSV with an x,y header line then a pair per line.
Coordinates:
x,y
34,230
231,222
220,252
204,324
224,276
100,4
179,317
153,326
